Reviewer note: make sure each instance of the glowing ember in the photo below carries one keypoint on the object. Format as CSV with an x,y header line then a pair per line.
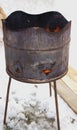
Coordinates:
x,y
47,71
57,29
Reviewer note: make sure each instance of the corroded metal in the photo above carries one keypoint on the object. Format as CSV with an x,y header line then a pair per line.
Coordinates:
x,y
34,53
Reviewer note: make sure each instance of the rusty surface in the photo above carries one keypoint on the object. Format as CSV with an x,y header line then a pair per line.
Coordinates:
x,y
36,51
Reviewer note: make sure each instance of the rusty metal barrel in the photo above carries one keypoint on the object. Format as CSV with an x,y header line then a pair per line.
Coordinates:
x,y
36,46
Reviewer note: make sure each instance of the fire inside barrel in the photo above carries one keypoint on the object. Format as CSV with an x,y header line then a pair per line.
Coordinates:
x,y
56,29
33,53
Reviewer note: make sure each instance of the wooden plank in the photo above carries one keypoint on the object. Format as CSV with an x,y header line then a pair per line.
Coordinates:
x,y
71,79
67,94
72,73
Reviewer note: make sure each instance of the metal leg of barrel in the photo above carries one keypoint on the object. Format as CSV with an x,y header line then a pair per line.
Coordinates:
x,y
50,89
56,103
7,97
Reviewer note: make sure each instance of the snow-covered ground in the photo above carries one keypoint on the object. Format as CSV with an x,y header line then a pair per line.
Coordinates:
x,y
30,107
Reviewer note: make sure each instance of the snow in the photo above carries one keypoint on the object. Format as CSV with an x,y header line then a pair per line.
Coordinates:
x,y
30,106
